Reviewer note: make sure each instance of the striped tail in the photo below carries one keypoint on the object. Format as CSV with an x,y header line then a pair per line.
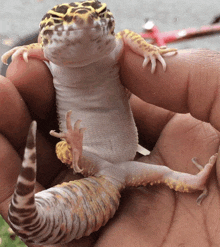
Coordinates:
x,y
64,212
22,204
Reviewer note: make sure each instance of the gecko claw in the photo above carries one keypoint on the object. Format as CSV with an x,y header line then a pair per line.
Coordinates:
x,y
162,61
146,61
20,51
152,59
153,64
25,56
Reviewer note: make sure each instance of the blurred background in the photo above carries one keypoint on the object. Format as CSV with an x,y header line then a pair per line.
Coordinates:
x,y
19,19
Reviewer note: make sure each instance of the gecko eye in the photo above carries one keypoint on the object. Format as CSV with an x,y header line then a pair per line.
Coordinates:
x,y
55,16
102,11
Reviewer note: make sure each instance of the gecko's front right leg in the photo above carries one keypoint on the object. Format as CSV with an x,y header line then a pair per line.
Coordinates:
x,y
32,50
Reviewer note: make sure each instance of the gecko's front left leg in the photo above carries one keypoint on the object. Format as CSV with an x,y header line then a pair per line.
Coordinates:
x,y
70,150
32,50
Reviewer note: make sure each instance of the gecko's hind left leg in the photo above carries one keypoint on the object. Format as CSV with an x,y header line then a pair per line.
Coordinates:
x,y
140,173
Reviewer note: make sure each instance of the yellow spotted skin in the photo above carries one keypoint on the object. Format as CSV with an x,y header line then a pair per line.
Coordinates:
x,y
63,151
79,13
141,43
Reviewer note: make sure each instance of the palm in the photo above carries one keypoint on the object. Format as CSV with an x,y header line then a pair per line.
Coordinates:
x,y
158,216
149,216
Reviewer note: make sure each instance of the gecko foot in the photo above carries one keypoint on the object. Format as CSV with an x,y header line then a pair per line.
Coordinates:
x,y
157,55
15,52
73,137
204,174
24,51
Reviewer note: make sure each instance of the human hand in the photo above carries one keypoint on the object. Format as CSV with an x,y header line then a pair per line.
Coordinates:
x,y
158,216
177,138
29,94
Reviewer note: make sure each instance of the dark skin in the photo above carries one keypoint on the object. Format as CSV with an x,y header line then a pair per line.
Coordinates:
x,y
151,216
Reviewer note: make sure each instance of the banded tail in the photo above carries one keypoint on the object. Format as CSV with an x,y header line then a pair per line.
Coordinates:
x,y
22,204
62,213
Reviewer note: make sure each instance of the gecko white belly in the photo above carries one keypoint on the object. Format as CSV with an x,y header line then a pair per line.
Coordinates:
x,y
95,95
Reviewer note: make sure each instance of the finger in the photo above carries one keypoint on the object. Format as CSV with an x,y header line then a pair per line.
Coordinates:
x,y
12,108
150,120
35,85
188,85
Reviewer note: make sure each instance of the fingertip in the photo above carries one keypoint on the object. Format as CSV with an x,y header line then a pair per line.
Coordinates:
x,y
34,82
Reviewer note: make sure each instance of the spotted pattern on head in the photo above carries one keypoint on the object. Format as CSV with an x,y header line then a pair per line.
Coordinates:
x,y
84,14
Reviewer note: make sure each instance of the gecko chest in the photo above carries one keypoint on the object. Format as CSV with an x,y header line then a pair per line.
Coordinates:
x,y
95,95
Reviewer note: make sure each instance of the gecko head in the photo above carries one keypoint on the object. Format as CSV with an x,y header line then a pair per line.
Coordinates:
x,y
77,34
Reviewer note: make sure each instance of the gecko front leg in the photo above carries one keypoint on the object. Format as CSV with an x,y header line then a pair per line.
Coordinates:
x,y
70,150
32,50
150,52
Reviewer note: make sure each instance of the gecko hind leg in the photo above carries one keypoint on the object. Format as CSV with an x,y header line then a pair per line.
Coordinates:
x,y
141,173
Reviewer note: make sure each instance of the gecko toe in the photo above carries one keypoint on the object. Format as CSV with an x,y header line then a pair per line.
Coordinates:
x,y
146,61
162,61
